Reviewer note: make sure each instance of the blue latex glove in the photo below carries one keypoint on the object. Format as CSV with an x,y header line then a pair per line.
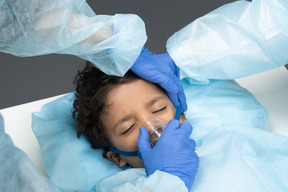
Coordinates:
x,y
162,70
174,152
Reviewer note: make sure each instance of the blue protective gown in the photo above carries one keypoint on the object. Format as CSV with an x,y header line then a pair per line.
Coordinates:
x,y
236,40
38,27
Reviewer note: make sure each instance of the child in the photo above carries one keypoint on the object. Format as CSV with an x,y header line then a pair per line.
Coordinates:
x,y
227,127
110,110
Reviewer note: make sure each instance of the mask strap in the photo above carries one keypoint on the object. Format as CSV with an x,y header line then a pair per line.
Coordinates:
x,y
135,153
178,113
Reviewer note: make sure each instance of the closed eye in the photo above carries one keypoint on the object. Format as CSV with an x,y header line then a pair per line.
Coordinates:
x,y
126,131
162,109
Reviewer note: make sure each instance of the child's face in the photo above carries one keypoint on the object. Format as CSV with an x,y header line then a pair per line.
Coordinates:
x,y
128,106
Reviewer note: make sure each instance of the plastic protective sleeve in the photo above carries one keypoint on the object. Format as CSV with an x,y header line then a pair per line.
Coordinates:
x,y
236,40
38,27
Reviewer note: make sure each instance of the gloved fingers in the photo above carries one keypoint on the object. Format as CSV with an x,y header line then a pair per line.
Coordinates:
x,y
192,144
182,98
145,51
174,99
143,142
164,81
166,58
143,59
186,129
153,68
171,126
155,76
181,95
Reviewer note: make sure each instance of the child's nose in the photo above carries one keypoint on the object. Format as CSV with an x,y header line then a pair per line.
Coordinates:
x,y
143,119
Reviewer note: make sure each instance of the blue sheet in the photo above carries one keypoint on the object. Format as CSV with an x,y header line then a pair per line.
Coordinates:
x,y
228,127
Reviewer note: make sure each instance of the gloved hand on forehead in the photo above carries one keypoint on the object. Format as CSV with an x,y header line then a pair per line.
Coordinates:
x,y
174,152
162,70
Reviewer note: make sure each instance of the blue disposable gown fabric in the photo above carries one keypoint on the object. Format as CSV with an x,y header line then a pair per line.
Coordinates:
x,y
236,153
17,172
38,27
236,40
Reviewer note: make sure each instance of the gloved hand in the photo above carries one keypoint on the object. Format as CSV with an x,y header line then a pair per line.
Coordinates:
x,y
162,70
173,153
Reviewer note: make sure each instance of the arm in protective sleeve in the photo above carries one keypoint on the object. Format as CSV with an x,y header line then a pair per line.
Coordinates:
x,y
136,180
17,172
236,40
38,27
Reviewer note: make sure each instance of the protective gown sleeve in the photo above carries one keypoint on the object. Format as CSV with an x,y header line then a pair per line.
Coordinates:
x,y
136,180
17,172
38,27
236,40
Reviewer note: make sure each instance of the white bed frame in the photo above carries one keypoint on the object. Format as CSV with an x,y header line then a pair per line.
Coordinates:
x,y
270,88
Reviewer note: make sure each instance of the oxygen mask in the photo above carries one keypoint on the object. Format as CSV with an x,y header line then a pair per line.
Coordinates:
x,y
155,127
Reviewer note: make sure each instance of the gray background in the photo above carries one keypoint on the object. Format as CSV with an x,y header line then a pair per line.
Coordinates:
x,y
24,80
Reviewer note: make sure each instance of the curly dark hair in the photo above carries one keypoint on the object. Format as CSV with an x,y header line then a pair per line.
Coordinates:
x,y
92,88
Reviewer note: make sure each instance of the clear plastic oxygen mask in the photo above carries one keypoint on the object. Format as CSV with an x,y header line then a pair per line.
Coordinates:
x,y
155,126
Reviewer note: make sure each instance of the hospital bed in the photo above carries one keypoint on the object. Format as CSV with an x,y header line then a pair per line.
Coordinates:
x,y
270,88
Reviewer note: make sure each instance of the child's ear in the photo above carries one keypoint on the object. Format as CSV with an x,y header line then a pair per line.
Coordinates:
x,y
182,118
115,158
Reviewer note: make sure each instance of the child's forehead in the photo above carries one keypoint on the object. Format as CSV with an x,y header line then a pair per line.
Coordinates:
x,y
137,88
137,92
